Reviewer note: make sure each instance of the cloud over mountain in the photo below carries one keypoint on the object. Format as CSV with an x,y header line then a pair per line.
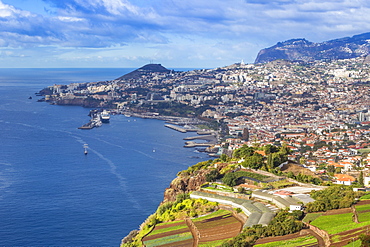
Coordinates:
x,y
151,28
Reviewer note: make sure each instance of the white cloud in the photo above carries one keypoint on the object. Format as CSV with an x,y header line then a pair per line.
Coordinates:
x,y
168,29
69,19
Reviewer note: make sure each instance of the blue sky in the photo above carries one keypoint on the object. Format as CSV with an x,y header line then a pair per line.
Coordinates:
x,y
175,33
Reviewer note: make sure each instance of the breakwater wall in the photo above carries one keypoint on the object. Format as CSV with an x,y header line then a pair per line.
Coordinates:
x,y
180,129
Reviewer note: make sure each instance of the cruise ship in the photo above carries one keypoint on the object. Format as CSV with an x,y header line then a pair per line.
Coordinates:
x,y
105,117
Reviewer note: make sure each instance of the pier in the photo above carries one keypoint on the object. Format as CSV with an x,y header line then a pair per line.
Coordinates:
x,y
95,121
181,129
211,140
192,144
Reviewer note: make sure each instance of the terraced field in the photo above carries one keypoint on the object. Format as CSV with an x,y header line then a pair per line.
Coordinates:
x,y
210,230
217,227
340,225
291,240
173,234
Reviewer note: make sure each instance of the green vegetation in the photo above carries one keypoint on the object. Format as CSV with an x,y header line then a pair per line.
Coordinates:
x,y
364,217
186,208
337,223
212,175
217,213
306,240
192,170
364,150
303,178
231,178
280,184
311,217
170,211
255,160
264,158
365,197
218,187
213,243
360,208
283,223
333,197
168,229
365,240
169,239
173,109
357,243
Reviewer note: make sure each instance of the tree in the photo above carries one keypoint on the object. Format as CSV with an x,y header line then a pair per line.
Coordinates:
x,y
270,162
270,149
224,158
361,179
255,161
230,179
212,175
330,168
244,151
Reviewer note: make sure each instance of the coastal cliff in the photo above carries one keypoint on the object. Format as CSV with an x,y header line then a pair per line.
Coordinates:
x,y
184,183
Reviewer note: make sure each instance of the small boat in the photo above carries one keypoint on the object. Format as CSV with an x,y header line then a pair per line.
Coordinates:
x,y
85,148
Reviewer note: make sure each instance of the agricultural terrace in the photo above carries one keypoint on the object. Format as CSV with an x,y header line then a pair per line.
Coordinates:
x,y
290,240
363,211
212,230
215,228
172,234
340,225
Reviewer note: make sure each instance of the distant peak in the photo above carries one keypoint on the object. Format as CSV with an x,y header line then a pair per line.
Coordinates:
x,y
148,68
154,68
294,42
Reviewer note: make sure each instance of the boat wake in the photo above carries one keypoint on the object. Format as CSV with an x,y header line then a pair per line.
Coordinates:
x,y
113,170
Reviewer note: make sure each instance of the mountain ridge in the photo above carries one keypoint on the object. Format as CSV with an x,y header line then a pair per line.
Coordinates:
x,y
304,50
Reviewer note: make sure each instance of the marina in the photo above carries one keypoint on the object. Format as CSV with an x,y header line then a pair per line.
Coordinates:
x,y
97,119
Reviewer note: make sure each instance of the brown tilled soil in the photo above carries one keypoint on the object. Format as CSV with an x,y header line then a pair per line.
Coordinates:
x,y
218,228
349,235
364,202
296,169
302,233
338,211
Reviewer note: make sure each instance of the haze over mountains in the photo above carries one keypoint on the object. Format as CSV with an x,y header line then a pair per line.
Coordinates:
x,y
304,50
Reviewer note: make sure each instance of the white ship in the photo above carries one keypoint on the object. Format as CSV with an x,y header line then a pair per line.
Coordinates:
x,y
105,117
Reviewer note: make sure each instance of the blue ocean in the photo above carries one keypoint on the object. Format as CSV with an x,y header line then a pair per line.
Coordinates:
x,y
51,194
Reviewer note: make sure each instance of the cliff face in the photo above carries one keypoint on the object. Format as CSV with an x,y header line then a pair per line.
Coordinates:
x,y
184,184
304,50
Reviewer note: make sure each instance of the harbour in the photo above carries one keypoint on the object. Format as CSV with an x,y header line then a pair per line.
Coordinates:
x,y
98,117
52,193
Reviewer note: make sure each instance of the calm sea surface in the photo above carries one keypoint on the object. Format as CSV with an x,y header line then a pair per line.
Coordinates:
x,y
51,194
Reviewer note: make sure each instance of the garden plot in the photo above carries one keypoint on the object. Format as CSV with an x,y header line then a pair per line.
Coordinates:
x,y
171,234
215,227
